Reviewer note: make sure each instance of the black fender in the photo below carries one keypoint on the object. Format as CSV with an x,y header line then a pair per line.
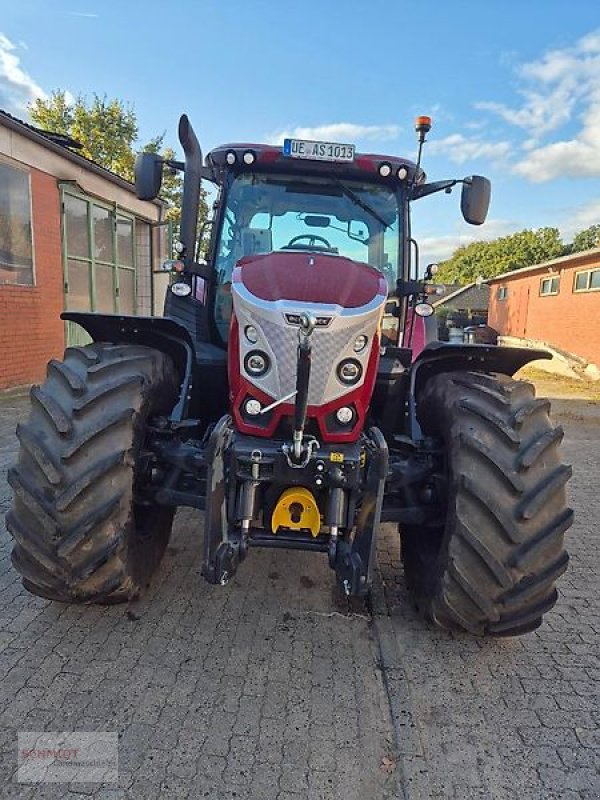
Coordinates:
x,y
444,357
162,333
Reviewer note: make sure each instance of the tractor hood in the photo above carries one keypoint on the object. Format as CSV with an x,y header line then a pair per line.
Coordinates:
x,y
310,278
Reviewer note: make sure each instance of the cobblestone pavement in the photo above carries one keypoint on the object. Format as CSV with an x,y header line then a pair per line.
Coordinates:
x,y
506,718
268,690
264,689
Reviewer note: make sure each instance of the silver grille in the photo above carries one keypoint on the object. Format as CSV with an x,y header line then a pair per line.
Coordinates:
x,y
326,348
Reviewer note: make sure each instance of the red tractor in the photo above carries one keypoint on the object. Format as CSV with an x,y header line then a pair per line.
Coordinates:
x,y
296,393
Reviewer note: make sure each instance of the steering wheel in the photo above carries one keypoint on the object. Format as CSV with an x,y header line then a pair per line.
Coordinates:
x,y
312,239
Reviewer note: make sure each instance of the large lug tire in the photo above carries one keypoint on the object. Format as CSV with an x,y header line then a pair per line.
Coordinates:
x,y
80,534
492,568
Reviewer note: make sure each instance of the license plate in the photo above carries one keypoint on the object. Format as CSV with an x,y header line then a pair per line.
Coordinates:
x,y
318,151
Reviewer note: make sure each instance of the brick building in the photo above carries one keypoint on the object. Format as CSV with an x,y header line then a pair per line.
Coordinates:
x,y
72,236
555,303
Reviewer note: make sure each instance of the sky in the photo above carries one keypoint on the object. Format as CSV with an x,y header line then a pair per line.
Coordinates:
x,y
513,87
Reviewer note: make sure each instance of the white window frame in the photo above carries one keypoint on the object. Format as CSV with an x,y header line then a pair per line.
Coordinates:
x,y
551,278
588,288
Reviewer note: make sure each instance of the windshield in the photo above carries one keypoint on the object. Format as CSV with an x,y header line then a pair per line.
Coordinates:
x,y
265,213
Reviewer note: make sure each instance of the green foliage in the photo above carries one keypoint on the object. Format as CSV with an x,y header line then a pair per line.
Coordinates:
x,y
107,129
488,259
586,239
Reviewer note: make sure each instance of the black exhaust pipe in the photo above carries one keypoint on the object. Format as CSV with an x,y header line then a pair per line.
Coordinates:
x,y
191,188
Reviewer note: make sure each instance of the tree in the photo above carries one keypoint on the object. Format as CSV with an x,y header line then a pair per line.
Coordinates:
x,y
107,131
586,239
522,249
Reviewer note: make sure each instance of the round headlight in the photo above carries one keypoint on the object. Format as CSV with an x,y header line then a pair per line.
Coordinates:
x,y
344,415
360,343
424,309
385,169
253,407
231,157
402,173
251,334
256,363
349,371
249,157
181,289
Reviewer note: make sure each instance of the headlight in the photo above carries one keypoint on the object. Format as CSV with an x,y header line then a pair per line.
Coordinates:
x,y
251,334
253,407
181,289
360,343
256,363
344,415
349,371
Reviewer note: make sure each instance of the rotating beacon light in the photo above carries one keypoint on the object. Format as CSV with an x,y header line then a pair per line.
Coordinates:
x,y
422,127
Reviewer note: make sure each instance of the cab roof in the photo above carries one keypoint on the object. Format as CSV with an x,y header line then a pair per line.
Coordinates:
x,y
252,157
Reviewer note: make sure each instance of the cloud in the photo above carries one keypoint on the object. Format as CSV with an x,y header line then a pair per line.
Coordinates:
x,y
337,132
17,87
439,248
459,148
562,85
84,14
580,218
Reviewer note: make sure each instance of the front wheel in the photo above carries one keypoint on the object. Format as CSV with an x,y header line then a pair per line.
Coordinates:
x,y
82,532
492,568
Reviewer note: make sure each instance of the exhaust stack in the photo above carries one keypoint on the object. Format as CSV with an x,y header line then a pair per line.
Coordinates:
x,y
191,187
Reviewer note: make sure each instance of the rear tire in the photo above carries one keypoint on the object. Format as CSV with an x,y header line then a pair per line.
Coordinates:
x,y
80,536
492,568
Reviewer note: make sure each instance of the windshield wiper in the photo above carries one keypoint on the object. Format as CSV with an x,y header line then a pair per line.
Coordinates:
x,y
360,202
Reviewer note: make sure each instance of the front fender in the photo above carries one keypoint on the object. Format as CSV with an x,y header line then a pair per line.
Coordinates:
x,y
444,357
161,333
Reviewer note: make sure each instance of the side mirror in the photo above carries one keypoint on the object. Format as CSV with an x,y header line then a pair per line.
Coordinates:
x,y
148,175
475,199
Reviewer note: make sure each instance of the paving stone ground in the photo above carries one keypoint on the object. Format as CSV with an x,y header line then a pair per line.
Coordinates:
x,y
506,718
269,690
264,689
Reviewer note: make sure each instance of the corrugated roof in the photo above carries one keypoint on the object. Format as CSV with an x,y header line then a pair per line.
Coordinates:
x,y
555,262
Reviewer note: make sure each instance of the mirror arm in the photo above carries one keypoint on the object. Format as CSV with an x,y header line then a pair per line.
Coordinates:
x,y
432,188
205,172
178,165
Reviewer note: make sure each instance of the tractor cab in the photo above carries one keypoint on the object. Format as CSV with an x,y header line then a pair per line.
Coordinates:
x,y
307,197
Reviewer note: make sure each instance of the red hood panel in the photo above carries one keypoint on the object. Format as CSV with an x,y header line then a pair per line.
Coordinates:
x,y
310,278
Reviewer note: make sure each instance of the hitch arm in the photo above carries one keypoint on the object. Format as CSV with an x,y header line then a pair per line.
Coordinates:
x,y
307,326
301,404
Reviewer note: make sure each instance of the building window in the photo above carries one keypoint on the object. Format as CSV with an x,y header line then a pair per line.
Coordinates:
x,y
502,293
549,285
16,240
587,281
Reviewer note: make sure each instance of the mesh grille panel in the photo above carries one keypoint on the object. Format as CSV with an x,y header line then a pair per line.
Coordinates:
x,y
327,345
